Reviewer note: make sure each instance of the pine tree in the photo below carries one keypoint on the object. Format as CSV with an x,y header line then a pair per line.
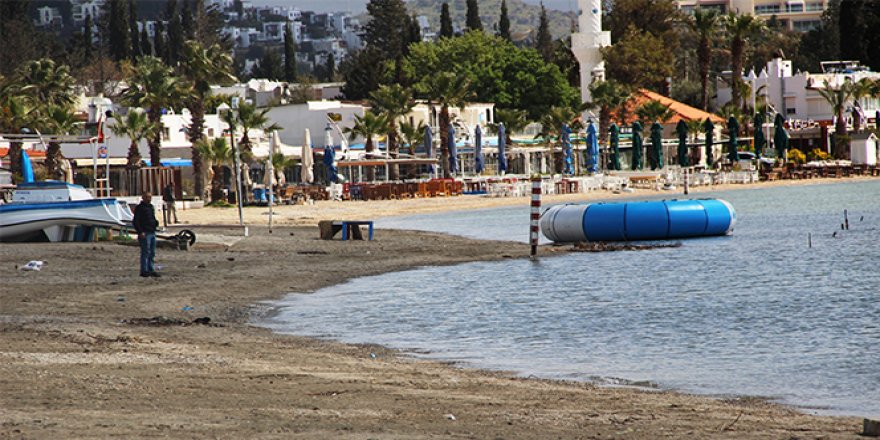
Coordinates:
x,y
133,29
238,5
159,46
118,38
269,67
544,42
87,38
854,30
289,55
384,32
146,45
445,21
415,32
504,22
330,68
175,33
473,22
186,19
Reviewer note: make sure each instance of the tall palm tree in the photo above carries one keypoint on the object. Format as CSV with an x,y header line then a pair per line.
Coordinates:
x,y
609,96
153,87
394,101
838,97
412,135
448,90
201,67
49,83
367,126
281,163
215,153
705,24
249,118
57,120
861,89
136,127
16,113
741,29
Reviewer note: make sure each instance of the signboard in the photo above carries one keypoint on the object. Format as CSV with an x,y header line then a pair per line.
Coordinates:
x,y
102,152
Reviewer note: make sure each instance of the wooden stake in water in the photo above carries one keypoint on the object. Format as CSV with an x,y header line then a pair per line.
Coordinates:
x,y
846,219
810,239
535,216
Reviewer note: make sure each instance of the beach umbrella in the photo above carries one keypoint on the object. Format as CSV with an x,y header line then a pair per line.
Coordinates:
x,y
733,131
592,148
27,169
565,138
502,142
453,152
330,164
780,136
306,173
709,127
656,146
760,139
615,147
637,146
478,150
682,130
429,146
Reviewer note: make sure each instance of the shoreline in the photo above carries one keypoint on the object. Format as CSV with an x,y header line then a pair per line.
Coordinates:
x,y
74,364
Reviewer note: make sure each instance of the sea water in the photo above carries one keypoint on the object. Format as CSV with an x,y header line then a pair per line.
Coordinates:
x,y
762,312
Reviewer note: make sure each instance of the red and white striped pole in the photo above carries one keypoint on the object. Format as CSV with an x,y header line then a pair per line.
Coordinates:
x,y
536,215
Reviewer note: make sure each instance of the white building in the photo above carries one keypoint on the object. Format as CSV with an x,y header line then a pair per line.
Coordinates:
x,y
80,9
48,16
586,45
313,115
799,15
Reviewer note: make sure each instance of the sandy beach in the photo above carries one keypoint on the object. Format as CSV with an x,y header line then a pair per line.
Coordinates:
x,y
90,350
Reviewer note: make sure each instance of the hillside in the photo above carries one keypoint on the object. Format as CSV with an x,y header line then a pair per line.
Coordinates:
x,y
523,17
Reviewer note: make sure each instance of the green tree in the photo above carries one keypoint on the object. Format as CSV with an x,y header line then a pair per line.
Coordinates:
x,y
289,55
741,29
705,25
117,36
367,126
362,73
838,97
215,153
146,45
654,111
201,67
134,34
384,31
656,17
58,120
159,47
249,118
608,96
854,20
551,130
412,135
472,20
822,43
639,60
16,112
504,22
175,33
87,38
393,102
544,42
16,35
445,22
447,90
514,121
269,66
47,82
152,87
136,126
187,21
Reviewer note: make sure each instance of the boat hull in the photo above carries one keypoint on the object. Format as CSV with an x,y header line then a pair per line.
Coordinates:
x,y
57,221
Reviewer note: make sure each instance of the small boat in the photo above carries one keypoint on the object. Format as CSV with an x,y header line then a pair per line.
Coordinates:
x,y
58,211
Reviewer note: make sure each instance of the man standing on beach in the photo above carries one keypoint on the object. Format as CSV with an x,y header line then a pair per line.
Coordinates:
x,y
145,225
168,198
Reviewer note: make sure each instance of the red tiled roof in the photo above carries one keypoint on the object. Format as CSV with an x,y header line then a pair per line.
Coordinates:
x,y
680,110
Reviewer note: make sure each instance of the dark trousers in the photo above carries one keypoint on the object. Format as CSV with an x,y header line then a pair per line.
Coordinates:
x,y
148,252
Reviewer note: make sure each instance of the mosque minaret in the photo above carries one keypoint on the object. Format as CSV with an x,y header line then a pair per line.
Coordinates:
x,y
586,43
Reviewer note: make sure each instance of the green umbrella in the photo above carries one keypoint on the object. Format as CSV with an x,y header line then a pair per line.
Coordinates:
x,y
615,147
733,130
656,146
760,140
709,127
780,136
637,146
682,129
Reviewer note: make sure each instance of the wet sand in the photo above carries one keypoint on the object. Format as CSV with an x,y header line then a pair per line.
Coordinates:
x,y
84,354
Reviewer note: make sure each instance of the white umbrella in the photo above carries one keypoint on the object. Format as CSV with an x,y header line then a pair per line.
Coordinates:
x,y
307,175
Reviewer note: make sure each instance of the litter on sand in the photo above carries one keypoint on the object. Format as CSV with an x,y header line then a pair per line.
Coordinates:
x,y
33,265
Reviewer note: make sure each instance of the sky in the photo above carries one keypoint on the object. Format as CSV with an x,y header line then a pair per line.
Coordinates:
x,y
358,6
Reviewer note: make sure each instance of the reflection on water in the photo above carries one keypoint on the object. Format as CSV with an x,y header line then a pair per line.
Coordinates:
x,y
755,313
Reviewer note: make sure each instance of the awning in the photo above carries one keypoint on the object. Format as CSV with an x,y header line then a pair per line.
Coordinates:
x,y
383,162
89,162
171,162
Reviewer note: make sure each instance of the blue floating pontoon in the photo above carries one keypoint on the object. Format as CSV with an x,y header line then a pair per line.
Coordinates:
x,y
628,221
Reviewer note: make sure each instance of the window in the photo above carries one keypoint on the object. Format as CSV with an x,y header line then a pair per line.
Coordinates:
x,y
807,25
797,7
766,9
166,133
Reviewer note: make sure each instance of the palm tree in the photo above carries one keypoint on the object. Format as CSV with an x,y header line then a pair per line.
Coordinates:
x,y
215,153
837,98
136,127
281,163
202,67
395,102
49,83
57,120
16,113
705,24
367,126
448,90
551,127
514,120
412,135
654,111
251,118
152,87
741,29
609,96
861,89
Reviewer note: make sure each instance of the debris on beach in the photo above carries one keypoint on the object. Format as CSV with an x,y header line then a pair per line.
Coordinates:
x,y
33,265
601,246
164,321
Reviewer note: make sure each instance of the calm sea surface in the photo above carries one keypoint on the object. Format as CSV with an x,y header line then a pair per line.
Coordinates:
x,y
756,313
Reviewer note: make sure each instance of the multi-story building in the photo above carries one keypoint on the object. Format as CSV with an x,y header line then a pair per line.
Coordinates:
x,y
799,15
85,8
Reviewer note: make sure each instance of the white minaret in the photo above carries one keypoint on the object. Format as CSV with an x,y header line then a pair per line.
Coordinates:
x,y
586,44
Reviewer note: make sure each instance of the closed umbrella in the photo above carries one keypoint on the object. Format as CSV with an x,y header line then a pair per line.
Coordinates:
x,y
733,130
760,139
330,164
565,137
453,152
478,150
615,147
429,147
682,130
502,142
637,146
592,148
656,146
709,127
306,173
780,136
27,169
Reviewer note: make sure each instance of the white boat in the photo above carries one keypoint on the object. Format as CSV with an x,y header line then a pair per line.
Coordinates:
x,y
58,211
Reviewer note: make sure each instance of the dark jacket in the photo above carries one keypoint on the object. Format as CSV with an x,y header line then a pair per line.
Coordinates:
x,y
145,218
168,194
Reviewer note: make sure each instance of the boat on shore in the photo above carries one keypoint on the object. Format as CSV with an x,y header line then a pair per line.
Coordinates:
x,y
58,211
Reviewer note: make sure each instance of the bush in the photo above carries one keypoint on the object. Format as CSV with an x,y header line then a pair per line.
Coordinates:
x,y
219,204
817,154
796,156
